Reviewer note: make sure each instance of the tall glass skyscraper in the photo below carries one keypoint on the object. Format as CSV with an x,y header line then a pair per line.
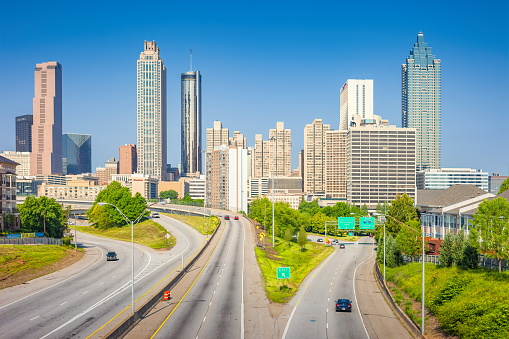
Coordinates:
x,y
151,111
77,152
191,122
421,101
24,133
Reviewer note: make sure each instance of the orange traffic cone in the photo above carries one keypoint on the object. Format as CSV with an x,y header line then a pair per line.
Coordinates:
x,y
166,295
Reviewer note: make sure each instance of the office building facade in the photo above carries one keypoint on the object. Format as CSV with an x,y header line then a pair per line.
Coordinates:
x,y
238,140
443,178
46,157
24,133
151,112
191,122
421,103
260,158
77,152
127,159
380,162
494,182
217,136
355,97
22,158
335,164
281,150
314,156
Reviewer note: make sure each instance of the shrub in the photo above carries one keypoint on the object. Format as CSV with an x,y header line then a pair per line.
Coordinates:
x,y
445,255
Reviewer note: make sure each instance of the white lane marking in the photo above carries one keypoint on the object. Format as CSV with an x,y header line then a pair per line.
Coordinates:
x,y
63,303
289,320
328,299
215,291
102,255
327,325
204,318
210,303
327,310
355,295
101,283
85,292
34,318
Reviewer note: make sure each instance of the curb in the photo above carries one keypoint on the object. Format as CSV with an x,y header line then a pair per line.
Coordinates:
x,y
127,325
410,324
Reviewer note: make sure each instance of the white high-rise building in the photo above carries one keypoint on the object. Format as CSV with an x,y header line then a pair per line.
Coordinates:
x,y
356,97
217,136
314,156
151,112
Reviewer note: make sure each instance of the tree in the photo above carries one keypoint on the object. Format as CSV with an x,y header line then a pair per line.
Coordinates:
x,y
302,238
108,216
504,187
410,239
402,209
470,258
170,194
393,257
310,208
491,228
35,213
458,248
288,236
445,255
364,210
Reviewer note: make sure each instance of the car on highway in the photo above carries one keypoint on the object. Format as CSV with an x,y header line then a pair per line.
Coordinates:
x,y
111,256
341,245
371,235
155,215
319,240
226,217
236,217
343,305
334,241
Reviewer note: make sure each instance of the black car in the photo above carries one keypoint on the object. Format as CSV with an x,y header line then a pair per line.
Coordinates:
x,y
226,217
341,245
343,305
111,256
335,241
319,240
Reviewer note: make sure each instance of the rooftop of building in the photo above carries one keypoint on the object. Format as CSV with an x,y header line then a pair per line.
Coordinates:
x,y
442,198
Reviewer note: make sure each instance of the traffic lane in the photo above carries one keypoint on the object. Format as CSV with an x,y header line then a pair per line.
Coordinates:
x,y
223,317
316,303
188,316
57,305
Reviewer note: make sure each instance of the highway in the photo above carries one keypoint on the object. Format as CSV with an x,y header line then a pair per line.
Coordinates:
x,y
76,301
314,314
213,307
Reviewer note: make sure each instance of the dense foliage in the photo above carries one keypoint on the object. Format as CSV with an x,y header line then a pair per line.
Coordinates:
x,y
107,216
37,212
170,194
467,303
504,187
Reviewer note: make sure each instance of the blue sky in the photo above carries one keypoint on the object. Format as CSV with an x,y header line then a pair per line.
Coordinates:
x,y
261,62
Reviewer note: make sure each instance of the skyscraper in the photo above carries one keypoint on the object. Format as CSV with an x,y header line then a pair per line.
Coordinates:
x,y
216,136
314,156
77,150
24,133
128,159
151,113
191,122
421,100
356,97
281,150
46,157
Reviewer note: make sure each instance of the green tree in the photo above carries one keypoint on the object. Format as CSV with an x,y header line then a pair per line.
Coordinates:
x,y
302,239
402,209
364,210
410,239
393,257
445,256
491,228
470,258
288,236
458,247
170,194
310,208
504,187
107,216
36,212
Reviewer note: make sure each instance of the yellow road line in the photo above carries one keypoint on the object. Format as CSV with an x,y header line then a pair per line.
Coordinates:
x,y
168,317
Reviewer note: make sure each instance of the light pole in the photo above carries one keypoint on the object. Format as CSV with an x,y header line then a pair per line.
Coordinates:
x,y
423,267
273,239
132,241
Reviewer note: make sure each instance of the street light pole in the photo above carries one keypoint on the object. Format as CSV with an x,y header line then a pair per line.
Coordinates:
x,y
273,238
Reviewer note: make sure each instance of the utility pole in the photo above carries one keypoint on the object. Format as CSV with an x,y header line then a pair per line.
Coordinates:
x,y
44,221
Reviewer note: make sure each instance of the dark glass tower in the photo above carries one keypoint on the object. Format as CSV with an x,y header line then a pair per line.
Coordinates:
x,y
191,122
24,133
77,152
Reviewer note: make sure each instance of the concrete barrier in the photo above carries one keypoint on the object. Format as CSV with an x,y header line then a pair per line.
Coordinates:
x,y
410,324
123,328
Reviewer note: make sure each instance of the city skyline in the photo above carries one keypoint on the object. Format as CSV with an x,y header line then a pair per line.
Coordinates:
x,y
259,49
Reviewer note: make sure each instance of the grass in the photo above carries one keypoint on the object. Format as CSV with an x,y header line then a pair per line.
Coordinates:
x,y
148,233
20,263
300,263
467,303
205,225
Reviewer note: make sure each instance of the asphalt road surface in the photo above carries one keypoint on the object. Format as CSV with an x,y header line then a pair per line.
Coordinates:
x,y
314,314
213,307
75,302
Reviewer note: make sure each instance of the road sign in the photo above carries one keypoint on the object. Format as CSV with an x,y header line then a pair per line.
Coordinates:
x,y
367,223
262,235
327,240
350,234
283,272
167,235
346,223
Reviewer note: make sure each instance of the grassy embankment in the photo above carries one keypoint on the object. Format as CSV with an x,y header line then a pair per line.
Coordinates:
x,y
300,263
21,263
467,303
205,225
148,233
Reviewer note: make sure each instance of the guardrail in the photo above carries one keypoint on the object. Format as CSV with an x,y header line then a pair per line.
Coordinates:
x,y
411,325
128,324
30,241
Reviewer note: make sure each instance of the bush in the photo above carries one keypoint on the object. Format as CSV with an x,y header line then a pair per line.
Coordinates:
x,y
470,257
445,255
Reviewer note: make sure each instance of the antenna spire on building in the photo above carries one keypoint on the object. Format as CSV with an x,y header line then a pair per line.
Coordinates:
x,y
191,59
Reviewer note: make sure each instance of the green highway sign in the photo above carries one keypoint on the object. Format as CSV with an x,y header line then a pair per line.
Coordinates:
x,y
367,223
346,223
283,272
